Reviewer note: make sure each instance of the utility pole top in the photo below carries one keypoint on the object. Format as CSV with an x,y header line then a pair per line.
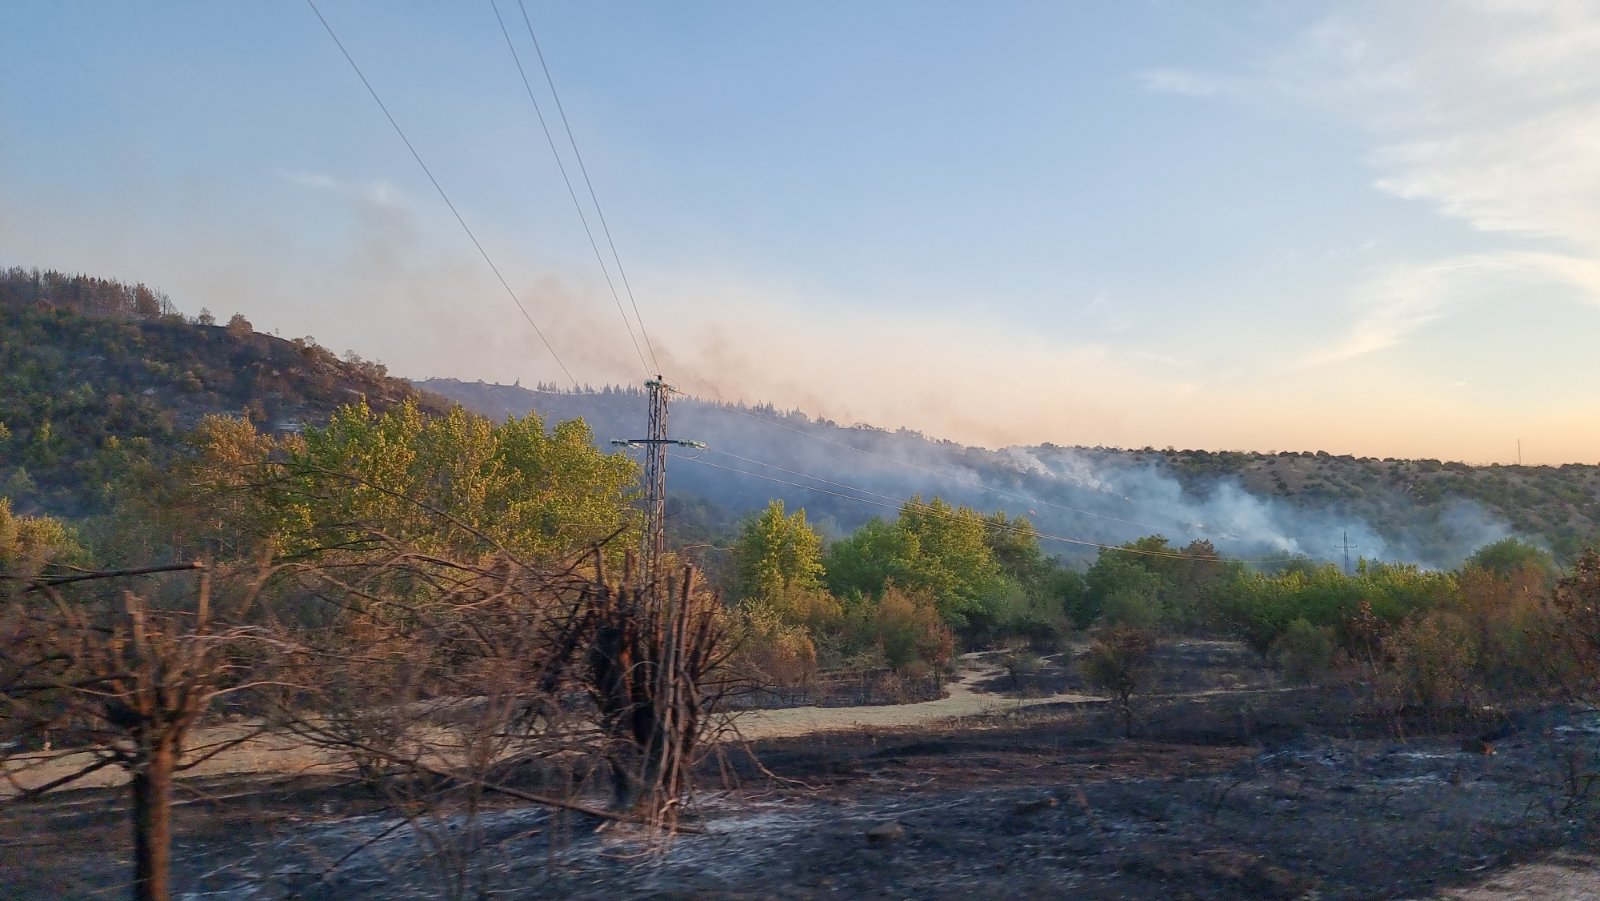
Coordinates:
x,y
646,442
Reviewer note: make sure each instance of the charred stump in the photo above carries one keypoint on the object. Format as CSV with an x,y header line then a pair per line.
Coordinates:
x,y
653,649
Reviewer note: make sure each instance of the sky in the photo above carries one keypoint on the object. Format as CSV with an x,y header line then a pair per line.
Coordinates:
x,y
1367,228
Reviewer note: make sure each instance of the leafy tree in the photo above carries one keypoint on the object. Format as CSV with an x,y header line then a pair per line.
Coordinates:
x,y
1014,545
954,562
1119,662
776,553
28,544
874,556
514,486
1117,573
1509,555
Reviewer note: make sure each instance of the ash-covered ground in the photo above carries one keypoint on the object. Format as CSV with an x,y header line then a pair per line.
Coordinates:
x,y
1253,792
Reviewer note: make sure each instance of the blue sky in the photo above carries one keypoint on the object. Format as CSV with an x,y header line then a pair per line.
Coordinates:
x,y
1370,228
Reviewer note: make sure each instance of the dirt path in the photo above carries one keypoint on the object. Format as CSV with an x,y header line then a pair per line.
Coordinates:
x,y
279,753
1562,878
961,700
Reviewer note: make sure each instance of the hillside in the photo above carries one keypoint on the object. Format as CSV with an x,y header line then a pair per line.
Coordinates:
x,y
1248,504
89,366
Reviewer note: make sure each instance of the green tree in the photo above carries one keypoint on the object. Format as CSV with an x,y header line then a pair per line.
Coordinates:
x,y
455,485
541,495
1508,556
1118,573
30,543
776,553
954,562
874,556
1014,544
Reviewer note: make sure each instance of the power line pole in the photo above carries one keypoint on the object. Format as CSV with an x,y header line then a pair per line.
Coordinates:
x,y
1347,547
654,544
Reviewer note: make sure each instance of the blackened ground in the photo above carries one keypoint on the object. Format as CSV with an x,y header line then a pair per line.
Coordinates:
x,y
1276,794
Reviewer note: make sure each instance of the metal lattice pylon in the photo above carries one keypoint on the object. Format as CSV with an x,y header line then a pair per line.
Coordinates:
x,y
653,551
655,482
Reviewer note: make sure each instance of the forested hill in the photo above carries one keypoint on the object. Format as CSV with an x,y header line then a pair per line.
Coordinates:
x,y
1250,504
92,367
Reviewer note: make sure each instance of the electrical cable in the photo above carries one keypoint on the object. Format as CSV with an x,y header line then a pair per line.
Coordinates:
x,y
599,210
572,192
440,188
889,501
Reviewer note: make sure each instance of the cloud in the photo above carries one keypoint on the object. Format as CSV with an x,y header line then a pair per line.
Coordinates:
x,y
1403,299
1487,111
376,193
1183,82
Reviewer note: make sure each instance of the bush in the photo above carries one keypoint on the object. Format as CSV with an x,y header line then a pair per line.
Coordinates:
x,y
909,630
1431,661
1119,663
1131,608
771,652
1304,652
1577,602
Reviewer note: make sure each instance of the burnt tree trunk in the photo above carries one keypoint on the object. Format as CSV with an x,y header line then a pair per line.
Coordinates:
x,y
152,822
653,648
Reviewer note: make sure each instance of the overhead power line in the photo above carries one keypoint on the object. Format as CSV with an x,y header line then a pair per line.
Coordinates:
x,y
571,192
442,195
589,183
889,501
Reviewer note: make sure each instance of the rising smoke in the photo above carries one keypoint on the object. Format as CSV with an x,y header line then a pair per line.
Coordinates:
x,y
844,476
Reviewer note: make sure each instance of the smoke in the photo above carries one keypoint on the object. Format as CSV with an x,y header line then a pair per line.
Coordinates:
x,y
844,476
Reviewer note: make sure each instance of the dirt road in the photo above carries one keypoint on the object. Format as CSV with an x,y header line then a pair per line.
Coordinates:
x,y
961,700
278,753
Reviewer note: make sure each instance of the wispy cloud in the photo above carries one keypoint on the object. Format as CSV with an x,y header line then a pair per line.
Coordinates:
x,y
1488,111
1403,299
1387,310
1183,82
377,192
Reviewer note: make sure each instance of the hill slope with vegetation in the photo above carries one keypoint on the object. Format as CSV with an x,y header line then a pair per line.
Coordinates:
x,y
1248,504
92,369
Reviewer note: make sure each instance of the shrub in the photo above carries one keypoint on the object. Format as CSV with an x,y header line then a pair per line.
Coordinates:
x,y
909,629
1119,663
1431,660
771,652
1577,603
1304,652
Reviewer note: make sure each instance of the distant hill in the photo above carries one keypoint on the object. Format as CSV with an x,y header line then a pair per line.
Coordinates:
x,y
1247,504
90,363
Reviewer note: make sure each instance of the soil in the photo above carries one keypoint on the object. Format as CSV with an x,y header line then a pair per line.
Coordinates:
x,y
1232,788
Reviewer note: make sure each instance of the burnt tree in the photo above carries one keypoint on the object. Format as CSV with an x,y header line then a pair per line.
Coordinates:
x,y
653,652
97,680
